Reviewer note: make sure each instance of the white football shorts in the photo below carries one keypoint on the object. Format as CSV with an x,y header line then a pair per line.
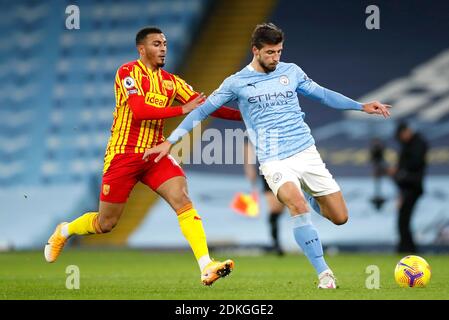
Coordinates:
x,y
306,169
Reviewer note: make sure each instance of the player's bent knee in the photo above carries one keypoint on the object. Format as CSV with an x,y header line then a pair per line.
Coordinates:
x,y
291,196
180,200
341,219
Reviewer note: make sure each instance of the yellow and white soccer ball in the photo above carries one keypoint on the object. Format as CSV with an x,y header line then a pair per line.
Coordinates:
x,y
413,272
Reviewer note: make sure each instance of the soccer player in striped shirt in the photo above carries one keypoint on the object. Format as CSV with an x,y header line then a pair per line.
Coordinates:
x,y
144,93
266,92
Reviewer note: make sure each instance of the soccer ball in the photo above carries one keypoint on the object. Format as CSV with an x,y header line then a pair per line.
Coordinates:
x,y
412,271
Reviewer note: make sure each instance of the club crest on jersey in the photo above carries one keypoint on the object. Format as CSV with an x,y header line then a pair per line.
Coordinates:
x,y
277,177
128,83
284,80
106,189
168,84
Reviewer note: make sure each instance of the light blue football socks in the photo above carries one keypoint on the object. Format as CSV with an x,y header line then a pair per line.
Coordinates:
x,y
308,240
313,203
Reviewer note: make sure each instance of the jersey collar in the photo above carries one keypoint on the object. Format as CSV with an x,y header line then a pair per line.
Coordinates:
x,y
144,67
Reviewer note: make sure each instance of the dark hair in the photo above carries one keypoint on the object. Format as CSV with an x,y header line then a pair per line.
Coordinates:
x,y
401,127
266,33
140,36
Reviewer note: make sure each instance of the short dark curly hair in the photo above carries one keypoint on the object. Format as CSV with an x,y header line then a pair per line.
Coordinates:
x,y
140,36
266,33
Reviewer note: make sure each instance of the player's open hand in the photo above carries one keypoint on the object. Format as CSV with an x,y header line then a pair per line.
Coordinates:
x,y
163,149
376,107
195,103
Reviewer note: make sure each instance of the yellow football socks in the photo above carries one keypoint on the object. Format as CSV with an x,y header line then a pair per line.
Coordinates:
x,y
86,224
192,229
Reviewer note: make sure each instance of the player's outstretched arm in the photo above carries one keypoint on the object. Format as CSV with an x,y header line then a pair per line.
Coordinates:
x,y
195,103
143,111
194,118
224,112
338,101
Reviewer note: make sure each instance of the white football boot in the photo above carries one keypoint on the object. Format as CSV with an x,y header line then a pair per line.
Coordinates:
x,y
327,280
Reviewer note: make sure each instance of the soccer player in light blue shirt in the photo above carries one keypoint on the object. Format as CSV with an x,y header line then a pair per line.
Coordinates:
x,y
266,93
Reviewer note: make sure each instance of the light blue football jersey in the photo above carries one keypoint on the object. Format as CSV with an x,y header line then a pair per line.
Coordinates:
x,y
270,108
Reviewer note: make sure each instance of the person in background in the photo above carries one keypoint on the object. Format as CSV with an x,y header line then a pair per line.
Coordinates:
x,y
408,176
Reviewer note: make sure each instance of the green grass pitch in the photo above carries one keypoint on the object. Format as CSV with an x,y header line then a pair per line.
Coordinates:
x,y
135,274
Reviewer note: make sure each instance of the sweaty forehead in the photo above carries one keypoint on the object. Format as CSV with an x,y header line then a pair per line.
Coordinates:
x,y
155,37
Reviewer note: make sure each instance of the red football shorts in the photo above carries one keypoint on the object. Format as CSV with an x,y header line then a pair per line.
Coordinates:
x,y
125,170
